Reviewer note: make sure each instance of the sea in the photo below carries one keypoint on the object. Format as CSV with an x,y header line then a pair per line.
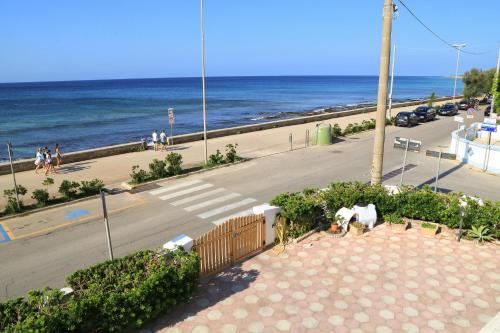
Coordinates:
x,y
88,114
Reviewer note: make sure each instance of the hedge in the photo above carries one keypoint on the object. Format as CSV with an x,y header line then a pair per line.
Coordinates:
x,y
112,296
307,208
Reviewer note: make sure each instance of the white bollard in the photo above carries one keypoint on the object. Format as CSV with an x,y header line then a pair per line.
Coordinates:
x,y
270,213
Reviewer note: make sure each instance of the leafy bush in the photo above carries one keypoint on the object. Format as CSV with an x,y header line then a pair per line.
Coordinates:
x,y
216,159
174,161
432,99
428,225
41,197
10,195
231,155
117,295
393,219
69,189
157,169
420,204
139,175
300,211
91,187
336,131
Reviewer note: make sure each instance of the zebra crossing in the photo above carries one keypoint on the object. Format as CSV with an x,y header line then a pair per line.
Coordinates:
x,y
208,202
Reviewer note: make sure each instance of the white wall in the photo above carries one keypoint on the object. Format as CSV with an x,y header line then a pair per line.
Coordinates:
x,y
478,155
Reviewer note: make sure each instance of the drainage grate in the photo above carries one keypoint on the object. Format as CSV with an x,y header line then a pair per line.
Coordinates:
x,y
144,188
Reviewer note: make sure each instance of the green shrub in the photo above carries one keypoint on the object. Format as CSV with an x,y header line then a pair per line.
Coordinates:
x,y
432,99
428,225
336,131
92,187
157,169
422,204
480,234
10,195
41,197
47,182
300,211
114,296
393,218
139,175
231,154
69,189
174,161
216,159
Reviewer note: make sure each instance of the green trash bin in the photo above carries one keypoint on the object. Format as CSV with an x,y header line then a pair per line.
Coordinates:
x,y
323,134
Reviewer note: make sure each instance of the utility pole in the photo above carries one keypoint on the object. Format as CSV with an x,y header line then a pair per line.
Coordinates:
x,y
378,148
493,114
203,84
392,80
458,47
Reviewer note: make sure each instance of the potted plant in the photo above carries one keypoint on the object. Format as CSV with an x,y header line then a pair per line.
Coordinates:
x,y
429,228
396,222
480,235
357,228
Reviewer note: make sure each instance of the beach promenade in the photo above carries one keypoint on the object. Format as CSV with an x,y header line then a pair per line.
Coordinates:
x,y
114,170
46,246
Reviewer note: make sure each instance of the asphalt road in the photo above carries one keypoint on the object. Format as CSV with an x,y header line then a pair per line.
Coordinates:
x,y
193,204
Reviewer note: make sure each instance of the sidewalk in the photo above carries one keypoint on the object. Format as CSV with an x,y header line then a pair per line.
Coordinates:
x,y
380,282
114,170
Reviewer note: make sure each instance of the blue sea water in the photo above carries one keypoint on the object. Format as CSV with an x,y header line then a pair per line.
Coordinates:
x,y
87,114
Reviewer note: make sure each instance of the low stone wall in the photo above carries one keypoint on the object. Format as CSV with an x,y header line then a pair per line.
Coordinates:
x,y
28,164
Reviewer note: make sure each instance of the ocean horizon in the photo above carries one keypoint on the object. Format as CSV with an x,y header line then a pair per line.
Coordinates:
x,y
88,114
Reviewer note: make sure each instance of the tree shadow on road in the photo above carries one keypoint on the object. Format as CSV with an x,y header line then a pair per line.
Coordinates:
x,y
74,167
211,291
441,176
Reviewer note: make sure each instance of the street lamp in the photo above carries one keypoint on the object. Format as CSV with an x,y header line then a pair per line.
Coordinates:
x,y
458,47
203,83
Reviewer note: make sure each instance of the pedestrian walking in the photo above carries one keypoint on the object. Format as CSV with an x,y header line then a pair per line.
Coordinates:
x,y
49,165
39,160
163,140
57,151
155,140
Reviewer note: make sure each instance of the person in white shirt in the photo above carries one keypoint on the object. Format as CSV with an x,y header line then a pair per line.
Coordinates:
x,y
163,140
39,160
155,140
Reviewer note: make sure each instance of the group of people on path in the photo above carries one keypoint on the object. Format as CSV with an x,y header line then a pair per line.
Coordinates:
x,y
45,160
158,140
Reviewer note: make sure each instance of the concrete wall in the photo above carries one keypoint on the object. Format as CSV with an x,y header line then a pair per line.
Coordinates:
x,y
476,154
28,164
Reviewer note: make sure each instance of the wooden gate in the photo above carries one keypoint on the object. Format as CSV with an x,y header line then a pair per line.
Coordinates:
x,y
230,242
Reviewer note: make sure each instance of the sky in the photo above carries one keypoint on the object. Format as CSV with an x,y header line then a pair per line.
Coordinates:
x,y
95,39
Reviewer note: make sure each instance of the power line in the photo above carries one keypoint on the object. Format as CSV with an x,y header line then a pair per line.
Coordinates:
x,y
434,33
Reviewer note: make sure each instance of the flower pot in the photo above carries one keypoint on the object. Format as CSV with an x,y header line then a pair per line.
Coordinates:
x,y
401,227
356,231
334,227
428,231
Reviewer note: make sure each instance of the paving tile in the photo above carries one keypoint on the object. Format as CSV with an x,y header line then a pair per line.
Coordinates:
x,y
379,282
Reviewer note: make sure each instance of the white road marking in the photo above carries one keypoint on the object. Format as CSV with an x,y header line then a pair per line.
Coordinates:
x,y
226,208
232,216
187,191
213,201
196,197
174,187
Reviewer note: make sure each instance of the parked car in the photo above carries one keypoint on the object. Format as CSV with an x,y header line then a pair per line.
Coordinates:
x,y
483,101
425,113
406,118
449,109
464,104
